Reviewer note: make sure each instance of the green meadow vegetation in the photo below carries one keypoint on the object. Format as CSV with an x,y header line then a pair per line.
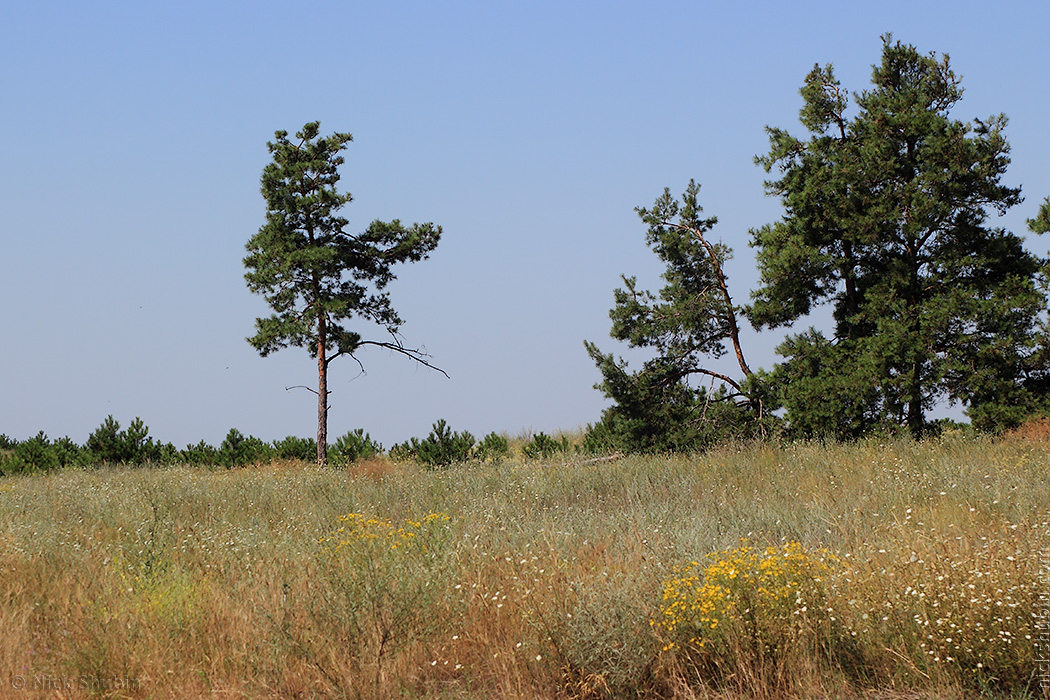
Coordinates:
x,y
890,569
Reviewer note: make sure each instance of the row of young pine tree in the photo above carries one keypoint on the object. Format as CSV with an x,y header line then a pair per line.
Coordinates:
x,y
109,445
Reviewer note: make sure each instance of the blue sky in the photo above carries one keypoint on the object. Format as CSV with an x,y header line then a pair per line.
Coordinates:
x,y
135,134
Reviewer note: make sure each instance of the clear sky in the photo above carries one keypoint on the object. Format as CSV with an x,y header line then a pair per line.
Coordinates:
x,y
135,134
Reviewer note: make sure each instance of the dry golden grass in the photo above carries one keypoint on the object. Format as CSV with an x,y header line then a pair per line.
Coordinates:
x,y
375,469
547,580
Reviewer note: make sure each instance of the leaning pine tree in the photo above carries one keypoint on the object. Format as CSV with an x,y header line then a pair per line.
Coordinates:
x,y
665,406
315,276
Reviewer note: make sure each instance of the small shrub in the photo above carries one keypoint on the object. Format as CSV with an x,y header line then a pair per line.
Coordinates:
x,y
440,448
604,644
130,446
292,447
237,450
202,453
382,586
493,447
355,445
543,446
34,454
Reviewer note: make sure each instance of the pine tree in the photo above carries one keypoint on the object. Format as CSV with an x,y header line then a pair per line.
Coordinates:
x,y
666,405
314,275
886,220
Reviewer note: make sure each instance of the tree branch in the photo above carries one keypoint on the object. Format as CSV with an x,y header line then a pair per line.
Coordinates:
x,y
734,331
300,386
412,353
719,376
678,376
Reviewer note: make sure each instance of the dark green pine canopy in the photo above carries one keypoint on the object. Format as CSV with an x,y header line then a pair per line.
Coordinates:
x,y
886,220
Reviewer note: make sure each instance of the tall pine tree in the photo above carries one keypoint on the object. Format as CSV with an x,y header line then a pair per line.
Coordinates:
x,y
315,276
886,220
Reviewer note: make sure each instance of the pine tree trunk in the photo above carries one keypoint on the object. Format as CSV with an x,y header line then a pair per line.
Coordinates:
x,y
916,420
322,396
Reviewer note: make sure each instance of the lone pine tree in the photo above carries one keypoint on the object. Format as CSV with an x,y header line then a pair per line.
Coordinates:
x,y
314,275
886,220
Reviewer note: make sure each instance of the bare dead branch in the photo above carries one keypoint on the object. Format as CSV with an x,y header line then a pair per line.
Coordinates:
x,y
413,353
300,386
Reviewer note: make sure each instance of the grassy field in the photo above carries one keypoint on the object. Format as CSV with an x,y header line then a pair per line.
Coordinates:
x,y
895,570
